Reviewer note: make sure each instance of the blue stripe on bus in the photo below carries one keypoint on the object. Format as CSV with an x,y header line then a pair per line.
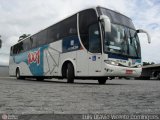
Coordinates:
x,y
35,68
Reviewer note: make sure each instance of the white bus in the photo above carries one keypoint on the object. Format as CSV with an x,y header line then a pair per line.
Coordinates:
x,y
95,43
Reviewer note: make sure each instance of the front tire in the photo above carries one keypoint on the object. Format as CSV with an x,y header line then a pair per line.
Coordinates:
x,y
102,81
70,73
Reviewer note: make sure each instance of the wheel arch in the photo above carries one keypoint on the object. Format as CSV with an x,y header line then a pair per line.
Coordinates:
x,y
17,68
64,66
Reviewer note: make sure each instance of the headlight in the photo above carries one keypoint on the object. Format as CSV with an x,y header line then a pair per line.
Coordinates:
x,y
139,66
111,62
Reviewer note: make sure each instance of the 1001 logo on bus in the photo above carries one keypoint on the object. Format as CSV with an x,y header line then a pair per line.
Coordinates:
x,y
34,57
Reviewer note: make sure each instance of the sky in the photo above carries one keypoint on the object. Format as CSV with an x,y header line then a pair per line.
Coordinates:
x,y
30,16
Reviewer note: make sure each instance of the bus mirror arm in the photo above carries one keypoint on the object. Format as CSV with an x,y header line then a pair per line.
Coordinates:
x,y
143,31
106,22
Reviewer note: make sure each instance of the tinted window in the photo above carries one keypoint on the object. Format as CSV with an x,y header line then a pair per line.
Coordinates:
x,y
86,18
26,44
94,39
41,38
18,48
52,33
67,27
33,41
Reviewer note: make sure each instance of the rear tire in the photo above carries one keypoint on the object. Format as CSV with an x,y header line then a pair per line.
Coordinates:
x,y
70,73
102,81
18,75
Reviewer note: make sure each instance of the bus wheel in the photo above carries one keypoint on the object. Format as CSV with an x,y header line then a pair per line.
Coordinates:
x,y
18,76
70,73
102,81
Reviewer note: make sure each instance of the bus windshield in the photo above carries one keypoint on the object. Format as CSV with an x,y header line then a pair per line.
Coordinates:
x,y
122,40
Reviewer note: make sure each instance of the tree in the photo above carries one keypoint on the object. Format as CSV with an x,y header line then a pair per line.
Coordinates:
x,y
23,36
148,63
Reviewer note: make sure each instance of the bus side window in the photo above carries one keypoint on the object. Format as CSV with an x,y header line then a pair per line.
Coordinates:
x,y
94,39
26,45
65,28
70,28
41,38
52,33
20,47
33,41
86,18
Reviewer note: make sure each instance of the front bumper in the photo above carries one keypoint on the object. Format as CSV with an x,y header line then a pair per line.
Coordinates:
x,y
119,71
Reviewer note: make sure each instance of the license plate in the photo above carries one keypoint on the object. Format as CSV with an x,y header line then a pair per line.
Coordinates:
x,y
129,71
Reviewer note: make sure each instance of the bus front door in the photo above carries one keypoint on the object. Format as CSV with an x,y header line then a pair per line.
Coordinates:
x,y
94,52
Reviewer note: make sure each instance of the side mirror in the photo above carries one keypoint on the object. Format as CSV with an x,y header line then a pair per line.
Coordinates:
x,y
143,31
107,23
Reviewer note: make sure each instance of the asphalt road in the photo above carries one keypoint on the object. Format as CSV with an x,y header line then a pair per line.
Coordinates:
x,y
84,96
